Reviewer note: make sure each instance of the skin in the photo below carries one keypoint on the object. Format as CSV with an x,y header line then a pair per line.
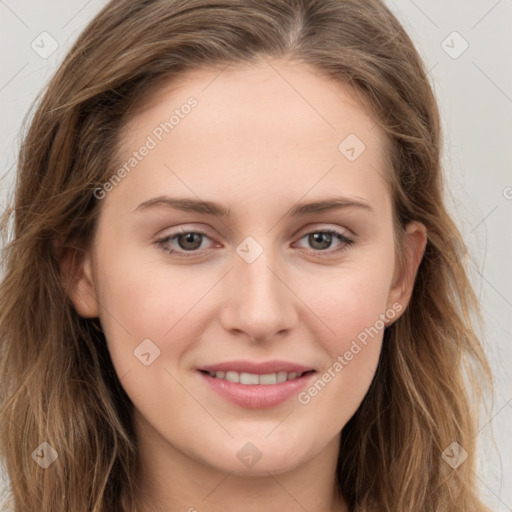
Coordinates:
x,y
262,138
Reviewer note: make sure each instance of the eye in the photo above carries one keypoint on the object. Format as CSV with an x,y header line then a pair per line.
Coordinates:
x,y
322,240
188,243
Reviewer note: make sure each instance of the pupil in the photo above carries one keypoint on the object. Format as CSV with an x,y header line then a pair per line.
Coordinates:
x,y
317,237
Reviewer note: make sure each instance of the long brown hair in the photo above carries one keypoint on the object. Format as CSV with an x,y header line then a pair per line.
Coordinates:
x,y
58,383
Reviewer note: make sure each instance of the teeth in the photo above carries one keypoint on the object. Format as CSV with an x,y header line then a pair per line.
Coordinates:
x,y
250,379
231,376
269,378
282,376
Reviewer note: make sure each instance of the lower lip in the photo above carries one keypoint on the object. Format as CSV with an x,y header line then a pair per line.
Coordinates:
x,y
257,396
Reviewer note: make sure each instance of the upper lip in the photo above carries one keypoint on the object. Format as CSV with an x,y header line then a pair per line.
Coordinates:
x,y
257,368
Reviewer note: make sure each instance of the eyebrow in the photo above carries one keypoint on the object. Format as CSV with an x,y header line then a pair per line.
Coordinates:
x,y
212,208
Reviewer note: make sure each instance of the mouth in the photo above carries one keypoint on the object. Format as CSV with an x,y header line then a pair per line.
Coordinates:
x,y
256,385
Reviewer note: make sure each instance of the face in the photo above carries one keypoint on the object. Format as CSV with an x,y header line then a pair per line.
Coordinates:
x,y
244,268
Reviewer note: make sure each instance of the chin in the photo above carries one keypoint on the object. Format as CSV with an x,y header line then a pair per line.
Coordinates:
x,y
258,457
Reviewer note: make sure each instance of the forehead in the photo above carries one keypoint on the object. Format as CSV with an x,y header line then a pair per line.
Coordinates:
x,y
288,91
269,125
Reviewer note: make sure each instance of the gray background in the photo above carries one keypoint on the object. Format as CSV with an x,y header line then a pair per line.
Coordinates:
x,y
474,88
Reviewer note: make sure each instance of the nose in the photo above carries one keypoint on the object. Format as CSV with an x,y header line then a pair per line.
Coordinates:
x,y
261,303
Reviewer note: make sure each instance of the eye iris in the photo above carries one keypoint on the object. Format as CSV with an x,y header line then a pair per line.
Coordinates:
x,y
190,238
326,238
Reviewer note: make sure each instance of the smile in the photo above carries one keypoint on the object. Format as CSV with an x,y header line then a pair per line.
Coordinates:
x,y
256,385
251,379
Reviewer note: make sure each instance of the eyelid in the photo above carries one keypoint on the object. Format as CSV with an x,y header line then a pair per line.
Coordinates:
x,y
183,230
315,228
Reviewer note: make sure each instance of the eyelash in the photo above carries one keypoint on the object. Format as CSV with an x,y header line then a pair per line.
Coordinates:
x,y
162,243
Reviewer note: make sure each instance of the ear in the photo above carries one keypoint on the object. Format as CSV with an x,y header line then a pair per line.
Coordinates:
x,y
406,268
78,281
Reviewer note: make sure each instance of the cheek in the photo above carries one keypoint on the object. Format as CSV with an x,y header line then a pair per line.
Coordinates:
x,y
351,299
353,311
148,308
145,295
358,307
145,298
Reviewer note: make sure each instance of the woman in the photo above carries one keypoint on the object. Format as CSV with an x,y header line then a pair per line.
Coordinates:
x,y
232,281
